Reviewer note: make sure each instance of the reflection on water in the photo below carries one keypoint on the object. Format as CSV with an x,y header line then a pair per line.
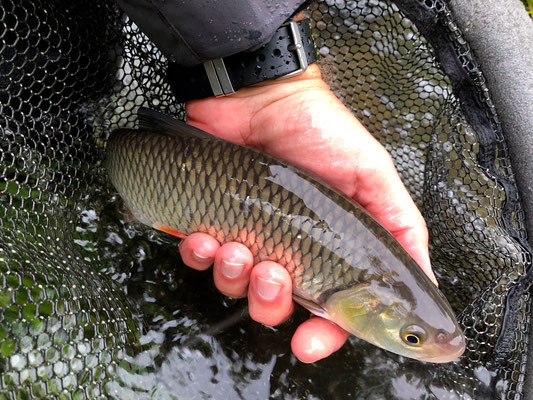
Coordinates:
x,y
194,343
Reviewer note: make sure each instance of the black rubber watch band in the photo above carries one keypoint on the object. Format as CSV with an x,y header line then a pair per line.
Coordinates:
x,y
291,49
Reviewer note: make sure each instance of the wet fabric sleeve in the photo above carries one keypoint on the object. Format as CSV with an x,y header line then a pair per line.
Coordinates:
x,y
193,31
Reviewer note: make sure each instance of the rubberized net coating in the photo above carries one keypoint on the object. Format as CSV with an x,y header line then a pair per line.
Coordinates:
x,y
93,306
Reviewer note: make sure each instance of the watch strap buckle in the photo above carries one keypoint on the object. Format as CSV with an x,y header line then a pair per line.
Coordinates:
x,y
298,47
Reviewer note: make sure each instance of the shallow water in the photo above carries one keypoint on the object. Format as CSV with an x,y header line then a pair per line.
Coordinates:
x,y
195,343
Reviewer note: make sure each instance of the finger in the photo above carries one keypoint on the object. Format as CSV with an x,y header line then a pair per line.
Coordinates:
x,y
413,237
351,159
231,271
270,293
198,250
317,338
384,196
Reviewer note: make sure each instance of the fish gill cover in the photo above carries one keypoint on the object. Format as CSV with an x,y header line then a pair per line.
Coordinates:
x,y
94,306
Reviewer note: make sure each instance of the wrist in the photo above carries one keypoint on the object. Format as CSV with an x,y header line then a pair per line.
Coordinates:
x,y
311,75
289,53
267,92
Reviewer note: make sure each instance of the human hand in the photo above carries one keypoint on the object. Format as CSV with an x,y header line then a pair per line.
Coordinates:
x,y
300,120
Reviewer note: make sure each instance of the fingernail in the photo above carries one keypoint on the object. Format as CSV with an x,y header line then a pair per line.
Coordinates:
x,y
268,289
199,257
231,270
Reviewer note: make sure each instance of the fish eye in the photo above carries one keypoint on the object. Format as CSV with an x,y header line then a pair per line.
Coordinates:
x,y
413,339
413,335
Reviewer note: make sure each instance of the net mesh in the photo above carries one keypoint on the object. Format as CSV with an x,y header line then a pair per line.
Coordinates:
x,y
93,306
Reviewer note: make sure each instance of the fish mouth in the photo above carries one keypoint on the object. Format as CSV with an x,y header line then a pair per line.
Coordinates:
x,y
445,358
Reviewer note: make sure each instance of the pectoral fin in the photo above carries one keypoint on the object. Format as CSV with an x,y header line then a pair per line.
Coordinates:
x,y
171,231
311,306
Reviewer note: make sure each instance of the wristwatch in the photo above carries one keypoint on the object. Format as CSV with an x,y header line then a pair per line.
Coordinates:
x,y
289,52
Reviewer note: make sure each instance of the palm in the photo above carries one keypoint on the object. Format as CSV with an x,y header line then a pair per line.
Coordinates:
x,y
301,121
309,127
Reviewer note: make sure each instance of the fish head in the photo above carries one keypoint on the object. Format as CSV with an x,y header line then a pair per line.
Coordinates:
x,y
389,315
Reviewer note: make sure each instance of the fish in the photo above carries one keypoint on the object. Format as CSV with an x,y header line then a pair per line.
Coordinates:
x,y
344,265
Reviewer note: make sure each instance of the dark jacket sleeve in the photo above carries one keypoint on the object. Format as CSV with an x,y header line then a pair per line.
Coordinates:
x,y
194,31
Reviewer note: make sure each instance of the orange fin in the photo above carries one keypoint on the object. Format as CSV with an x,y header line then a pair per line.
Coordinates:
x,y
171,231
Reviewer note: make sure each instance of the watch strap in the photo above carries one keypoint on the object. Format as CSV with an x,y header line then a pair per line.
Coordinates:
x,y
289,52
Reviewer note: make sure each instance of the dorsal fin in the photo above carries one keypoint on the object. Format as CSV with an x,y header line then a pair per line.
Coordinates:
x,y
153,120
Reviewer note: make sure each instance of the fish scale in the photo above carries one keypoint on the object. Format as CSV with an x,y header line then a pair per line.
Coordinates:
x,y
182,180
175,171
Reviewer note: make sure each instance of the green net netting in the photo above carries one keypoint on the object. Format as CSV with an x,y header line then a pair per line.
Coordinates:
x,y
93,305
